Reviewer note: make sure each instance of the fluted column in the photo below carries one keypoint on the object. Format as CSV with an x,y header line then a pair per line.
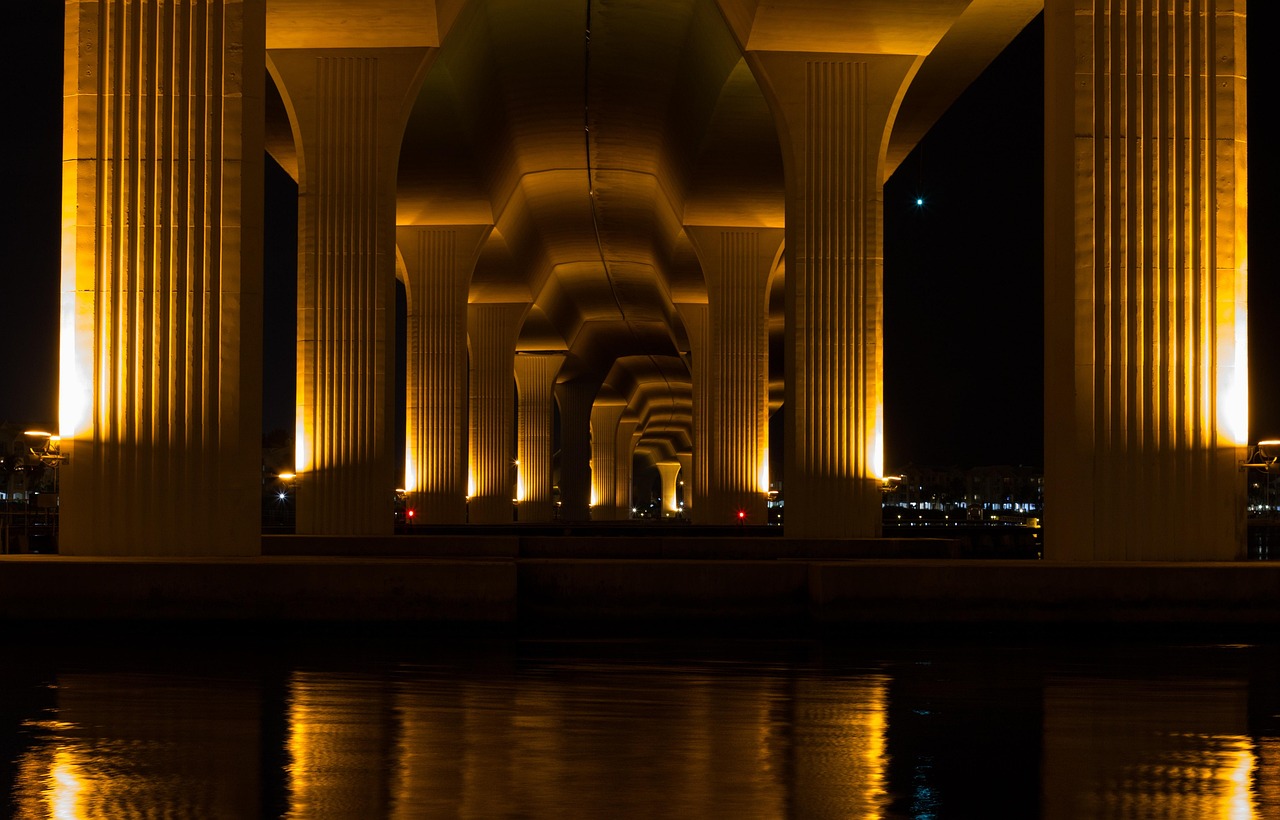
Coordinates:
x,y
686,461
736,263
1146,377
623,461
575,400
160,382
349,107
833,113
697,325
604,446
668,471
535,376
439,260
493,329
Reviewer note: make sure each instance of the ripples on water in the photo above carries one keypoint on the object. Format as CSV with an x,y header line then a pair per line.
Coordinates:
x,y
420,727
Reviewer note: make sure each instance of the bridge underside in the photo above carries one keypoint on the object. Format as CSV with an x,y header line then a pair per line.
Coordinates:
x,y
651,224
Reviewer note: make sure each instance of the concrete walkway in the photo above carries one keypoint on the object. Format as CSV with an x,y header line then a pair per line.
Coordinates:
x,y
505,589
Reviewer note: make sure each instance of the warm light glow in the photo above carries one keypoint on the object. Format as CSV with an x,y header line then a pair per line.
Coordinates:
x,y
286,476
40,433
75,383
1238,801
66,785
876,467
410,471
301,456
1233,408
1233,357
471,483
519,483
762,478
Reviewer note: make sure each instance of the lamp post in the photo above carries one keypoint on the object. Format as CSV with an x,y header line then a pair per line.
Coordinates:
x,y
48,453
1262,456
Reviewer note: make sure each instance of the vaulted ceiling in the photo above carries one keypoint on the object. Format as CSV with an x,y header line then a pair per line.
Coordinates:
x,y
589,154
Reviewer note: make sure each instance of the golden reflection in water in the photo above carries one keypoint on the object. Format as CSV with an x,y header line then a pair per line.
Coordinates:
x,y
125,746
65,787
50,783
1117,748
609,742
336,742
840,748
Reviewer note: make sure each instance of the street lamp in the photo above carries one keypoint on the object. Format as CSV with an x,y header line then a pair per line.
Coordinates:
x,y
48,453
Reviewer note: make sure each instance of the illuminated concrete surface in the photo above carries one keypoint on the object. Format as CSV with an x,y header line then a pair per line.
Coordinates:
x,y
650,203
161,326
1146,266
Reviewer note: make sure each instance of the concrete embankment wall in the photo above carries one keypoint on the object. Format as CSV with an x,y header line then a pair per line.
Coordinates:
x,y
801,584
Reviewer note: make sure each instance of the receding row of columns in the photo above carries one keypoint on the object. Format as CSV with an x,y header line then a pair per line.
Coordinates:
x,y
1146,315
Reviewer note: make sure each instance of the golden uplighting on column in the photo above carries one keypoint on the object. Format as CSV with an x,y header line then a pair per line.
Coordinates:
x,y
75,382
1233,378
301,456
762,479
410,471
875,467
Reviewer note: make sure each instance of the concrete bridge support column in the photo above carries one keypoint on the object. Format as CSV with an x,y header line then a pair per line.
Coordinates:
x,y
1146,376
604,447
493,329
161,306
535,377
575,400
833,113
349,108
623,462
736,263
438,260
697,326
682,481
668,471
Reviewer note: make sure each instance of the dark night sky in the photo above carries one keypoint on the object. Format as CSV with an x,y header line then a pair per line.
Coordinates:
x,y
963,315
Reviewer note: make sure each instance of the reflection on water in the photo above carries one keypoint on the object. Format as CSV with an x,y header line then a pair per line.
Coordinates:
x,y
644,729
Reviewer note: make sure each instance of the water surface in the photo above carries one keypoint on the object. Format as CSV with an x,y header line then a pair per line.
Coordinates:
x,y
368,726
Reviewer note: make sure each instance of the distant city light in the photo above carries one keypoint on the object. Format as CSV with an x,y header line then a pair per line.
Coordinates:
x,y
919,202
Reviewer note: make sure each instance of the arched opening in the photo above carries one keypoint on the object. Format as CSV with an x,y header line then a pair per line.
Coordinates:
x,y
964,288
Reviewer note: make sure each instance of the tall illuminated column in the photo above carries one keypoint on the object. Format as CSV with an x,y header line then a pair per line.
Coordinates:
x,y
438,260
492,329
623,460
575,400
833,113
348,108
734,364
535,376
604,448
685,460
697,326
161,340
668,471
1146,367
